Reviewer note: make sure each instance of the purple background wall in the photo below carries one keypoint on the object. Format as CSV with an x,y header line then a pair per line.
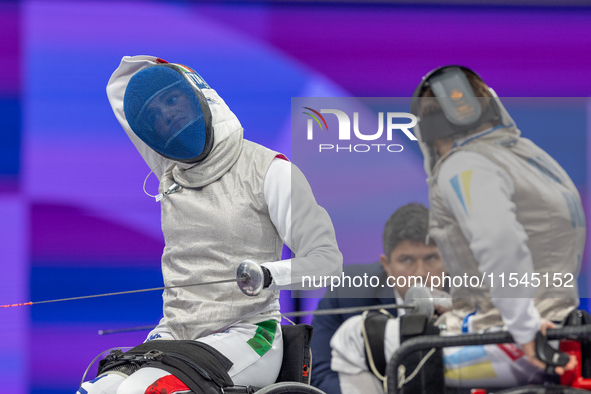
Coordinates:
x,y
74,218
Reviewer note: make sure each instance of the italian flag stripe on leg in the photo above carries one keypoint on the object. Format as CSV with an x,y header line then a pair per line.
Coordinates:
x,y
263,339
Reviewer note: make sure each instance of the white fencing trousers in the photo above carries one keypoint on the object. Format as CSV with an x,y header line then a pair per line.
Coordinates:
x,y
253,364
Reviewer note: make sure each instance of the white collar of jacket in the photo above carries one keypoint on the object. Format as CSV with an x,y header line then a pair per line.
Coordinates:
x,y
496,135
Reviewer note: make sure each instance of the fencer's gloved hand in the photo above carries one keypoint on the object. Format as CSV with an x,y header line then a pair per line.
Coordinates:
x,y
547,354
268,277
252,278
540,354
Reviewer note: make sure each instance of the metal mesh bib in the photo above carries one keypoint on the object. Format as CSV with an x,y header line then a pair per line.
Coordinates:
x,y
163,110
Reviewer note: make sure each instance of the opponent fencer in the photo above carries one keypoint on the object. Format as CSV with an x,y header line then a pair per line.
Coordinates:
x,y
499,206
223,200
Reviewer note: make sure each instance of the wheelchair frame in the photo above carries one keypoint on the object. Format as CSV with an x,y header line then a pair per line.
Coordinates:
x,y
435,341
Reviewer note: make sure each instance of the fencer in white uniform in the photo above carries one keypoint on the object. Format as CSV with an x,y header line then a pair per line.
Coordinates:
x,y
503,210
223,200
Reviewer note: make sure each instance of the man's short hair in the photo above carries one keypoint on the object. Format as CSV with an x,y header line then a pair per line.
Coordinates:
x,y
409,222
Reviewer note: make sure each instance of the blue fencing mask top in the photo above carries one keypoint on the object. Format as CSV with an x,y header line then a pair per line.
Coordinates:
x,y
166,109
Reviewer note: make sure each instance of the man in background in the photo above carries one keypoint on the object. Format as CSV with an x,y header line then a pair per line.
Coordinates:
x,y
405,254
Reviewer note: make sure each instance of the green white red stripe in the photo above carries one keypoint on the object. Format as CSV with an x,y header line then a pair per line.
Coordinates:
x,y
184,68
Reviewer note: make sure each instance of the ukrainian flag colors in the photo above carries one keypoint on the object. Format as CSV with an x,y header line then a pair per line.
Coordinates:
x,y
478,371
468,363
461,185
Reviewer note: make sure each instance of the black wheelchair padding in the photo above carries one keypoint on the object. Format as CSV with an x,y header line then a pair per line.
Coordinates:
x,y
297,356
430,378
375,326
296,367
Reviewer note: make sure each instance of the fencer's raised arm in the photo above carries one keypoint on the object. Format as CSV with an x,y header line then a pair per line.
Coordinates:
x,y
116,91
303,225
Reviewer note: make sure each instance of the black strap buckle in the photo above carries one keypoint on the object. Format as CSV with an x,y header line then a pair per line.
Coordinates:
x,y
153,355
115,355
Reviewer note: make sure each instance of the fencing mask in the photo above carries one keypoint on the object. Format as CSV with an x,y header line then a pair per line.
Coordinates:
x,y
453,107
166,109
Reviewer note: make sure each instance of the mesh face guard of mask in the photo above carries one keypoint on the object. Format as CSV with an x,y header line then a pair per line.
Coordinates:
x,y
458,109
166,109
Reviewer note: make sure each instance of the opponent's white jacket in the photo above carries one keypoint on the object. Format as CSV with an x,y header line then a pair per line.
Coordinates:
x,y
234,205
501,206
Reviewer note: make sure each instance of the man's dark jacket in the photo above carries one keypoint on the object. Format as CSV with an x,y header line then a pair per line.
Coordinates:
x,y
325,326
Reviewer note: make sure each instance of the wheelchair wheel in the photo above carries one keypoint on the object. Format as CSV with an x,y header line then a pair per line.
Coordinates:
x,y
289,388
543,390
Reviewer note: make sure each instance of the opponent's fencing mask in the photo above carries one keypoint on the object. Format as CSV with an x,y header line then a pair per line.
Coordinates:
x,y
166,109
454,107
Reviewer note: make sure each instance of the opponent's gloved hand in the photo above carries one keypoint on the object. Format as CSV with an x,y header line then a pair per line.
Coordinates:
x,y
547,354
538,351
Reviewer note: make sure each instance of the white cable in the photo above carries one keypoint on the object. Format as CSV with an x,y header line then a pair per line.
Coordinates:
x,y
372,365
285,317
150,173
401,370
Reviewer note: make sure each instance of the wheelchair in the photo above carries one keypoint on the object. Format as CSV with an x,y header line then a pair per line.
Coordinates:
x,y
296,368
571,383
